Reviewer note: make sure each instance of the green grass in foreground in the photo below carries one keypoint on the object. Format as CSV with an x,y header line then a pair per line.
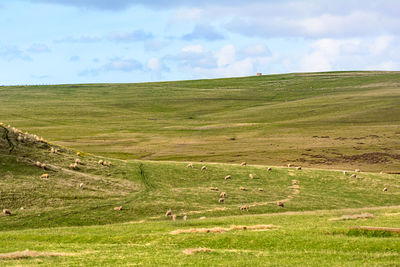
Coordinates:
x,y
326,120
301,239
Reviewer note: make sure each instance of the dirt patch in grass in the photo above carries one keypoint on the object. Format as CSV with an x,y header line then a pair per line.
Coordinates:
x,y
224,229
353,217
372,158
31,254
191,251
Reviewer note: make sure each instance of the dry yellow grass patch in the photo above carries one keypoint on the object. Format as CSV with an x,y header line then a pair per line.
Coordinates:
x,y
191,251
353,217
31,254
223,229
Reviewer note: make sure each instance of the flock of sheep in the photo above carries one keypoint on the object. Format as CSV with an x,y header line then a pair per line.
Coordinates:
x,y
223,195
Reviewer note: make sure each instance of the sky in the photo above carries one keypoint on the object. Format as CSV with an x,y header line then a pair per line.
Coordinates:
x,y
123,41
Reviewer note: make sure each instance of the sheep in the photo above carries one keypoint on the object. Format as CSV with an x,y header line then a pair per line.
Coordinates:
x,y
20,138
74,166
251,176
353,175
78,161
118,208
43,166
243,163
203,218
81,185
269,169
190,165
243,189
245,207
107,163
53,150
214,188
385,189
344,172
298,168
78,153
203,168
289,165
223,194
280,204
6,212
168,213
174,217
44,176
260,189
101,162
227,177
185,218
221,200
38,164
357,170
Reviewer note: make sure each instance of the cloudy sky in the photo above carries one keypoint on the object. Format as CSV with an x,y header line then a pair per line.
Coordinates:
x,y
95,41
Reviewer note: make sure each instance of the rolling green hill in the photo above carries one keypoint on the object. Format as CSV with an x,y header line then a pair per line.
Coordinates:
x,y
131,145
338,120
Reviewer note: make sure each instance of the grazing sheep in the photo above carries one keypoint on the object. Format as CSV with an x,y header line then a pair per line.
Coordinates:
x,y
298,168
243,163
168,213
74,166
243,189
269,169
6,212
185,218
245,207
20,138
280,204
214,188
203,168
227,177
174,217
43,166
385,189
260,189
108,163
101,162
289,165
353,175
118,208
38,164
223,194
344,172
53,150
78,161
202,218
78,153
251,176
357,170
190,165
81,185
44,176
221,200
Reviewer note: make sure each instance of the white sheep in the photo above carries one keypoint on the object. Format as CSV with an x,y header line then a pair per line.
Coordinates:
x,y
78,161
185,218
223,194
385,189
221,200
44,176
6,212
227,177
269,169
243,163
251,176
203,168
174,217
118,208
168,213
190,165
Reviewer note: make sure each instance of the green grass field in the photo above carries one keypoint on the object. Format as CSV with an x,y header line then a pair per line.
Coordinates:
x,y
149,132
328,120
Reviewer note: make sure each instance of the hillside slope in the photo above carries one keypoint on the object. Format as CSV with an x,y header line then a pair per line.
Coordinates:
x,y
327,120
86,195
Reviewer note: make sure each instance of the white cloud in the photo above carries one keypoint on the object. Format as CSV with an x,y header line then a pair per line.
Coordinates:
x,y
226,55
187,14
193,49
154,64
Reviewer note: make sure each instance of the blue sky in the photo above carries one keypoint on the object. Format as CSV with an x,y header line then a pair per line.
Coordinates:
x,y
96,41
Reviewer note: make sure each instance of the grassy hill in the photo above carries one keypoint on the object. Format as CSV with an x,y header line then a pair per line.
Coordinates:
x,y
56,221
132,144
338,120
